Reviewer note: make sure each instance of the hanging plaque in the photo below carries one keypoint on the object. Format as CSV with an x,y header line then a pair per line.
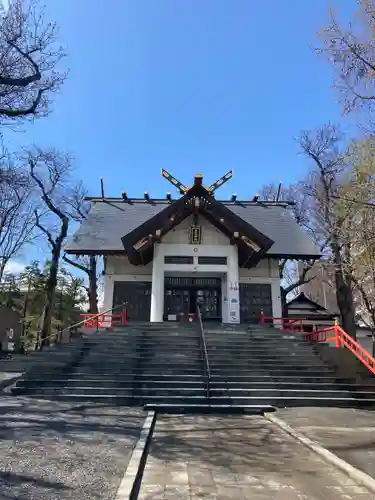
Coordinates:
x,y
195,235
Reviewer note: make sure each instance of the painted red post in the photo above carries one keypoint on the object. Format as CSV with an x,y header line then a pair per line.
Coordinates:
x,y
123,316
337,333
261,319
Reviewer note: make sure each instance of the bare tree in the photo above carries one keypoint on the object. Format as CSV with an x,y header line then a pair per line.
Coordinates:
x,y
358,193
79,210
88,265
50,171
351,50
332,220
29,61
17,202
291,277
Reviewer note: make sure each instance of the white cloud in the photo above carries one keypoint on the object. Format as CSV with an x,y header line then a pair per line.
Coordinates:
x,y
14,267
4,4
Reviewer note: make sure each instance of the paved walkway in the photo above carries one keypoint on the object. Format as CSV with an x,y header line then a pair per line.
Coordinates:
x,y
58,451
237,458
347,432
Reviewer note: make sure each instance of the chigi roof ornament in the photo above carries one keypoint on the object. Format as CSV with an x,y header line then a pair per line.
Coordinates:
x,y
198,181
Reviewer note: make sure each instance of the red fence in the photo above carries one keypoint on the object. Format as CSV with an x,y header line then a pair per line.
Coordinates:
x,y
332,333
104,320
287,324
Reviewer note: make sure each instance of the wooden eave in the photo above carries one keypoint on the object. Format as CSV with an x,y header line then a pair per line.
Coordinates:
x,y
138,244
301,298
94,252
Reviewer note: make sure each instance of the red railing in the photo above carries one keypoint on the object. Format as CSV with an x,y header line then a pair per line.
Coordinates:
x,y
104,320
324,335
344,339
332,333
287,324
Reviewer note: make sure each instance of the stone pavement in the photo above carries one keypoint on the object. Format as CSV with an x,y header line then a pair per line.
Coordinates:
x,y
349,433
237,458
57,451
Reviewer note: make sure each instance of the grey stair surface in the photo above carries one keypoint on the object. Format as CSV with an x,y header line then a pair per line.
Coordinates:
x,y
265,365
253,369
136,364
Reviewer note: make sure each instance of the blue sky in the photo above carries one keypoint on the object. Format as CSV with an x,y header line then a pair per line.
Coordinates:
x,y
189,86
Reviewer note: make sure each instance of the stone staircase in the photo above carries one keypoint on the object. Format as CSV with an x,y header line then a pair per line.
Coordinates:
x,y
162,365
135,364
262,365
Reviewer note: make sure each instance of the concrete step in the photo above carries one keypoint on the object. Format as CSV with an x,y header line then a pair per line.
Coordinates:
x,y
200,392
287,392
272,370
281,347
210,409
248,364
76,382
149,343
308,355
294,377
174,359
278,402
296,384
153,378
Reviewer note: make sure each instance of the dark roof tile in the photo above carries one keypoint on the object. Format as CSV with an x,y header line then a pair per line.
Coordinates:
x,y
109,221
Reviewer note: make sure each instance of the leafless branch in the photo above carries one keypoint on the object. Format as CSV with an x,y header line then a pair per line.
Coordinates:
x,y
76,264
29,59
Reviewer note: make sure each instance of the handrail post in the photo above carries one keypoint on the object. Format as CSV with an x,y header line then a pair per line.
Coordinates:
x,y
337,333
205,355
124,316
261,317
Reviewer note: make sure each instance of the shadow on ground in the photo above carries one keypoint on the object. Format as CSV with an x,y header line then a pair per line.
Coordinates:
x,y
51,450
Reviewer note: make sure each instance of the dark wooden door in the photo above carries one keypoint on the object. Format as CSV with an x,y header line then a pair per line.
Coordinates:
x,y
176,301
138,296
209,301
254,298
182,294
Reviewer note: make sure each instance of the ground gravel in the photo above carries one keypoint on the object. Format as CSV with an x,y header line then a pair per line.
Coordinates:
x,y
54,450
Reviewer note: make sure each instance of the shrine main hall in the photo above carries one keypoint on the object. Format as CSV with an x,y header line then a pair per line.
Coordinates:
x,y
165,256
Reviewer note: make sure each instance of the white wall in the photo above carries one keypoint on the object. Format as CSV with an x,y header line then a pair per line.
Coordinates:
x,y
214,243
266,268
121,265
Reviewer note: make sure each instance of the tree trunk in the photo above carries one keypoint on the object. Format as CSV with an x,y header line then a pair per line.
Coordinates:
x,y
51,284
93,287
284,308
344,293
45,330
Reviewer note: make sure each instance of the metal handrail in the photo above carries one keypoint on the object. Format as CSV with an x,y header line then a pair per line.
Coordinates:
x,y
205,355
75,325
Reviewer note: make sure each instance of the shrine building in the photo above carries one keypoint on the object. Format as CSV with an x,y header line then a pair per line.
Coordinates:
x,y
163,256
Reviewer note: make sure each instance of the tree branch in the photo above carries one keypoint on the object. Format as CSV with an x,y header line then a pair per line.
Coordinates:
x,y
45,197
76,264
51,241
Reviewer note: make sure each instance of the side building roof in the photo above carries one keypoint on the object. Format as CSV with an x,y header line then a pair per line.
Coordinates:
x,y
110,220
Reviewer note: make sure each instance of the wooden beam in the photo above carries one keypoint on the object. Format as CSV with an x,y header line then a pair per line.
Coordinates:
x,y
250,243
235,238
141,243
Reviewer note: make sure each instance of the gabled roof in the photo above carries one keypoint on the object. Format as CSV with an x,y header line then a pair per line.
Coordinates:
x,y
303,299
197,201
111,219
